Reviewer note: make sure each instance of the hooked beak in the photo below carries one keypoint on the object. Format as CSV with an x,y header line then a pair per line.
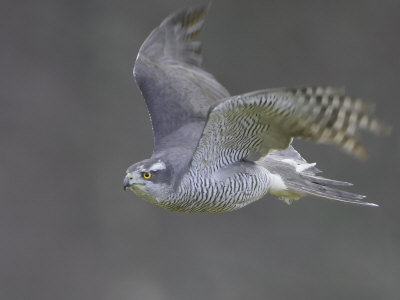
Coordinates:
x,y
126,183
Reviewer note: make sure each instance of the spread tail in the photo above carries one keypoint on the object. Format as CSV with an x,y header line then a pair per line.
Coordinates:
x,y
294,178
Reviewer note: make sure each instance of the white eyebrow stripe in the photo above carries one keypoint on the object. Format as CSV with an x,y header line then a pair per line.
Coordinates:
x,y
158,166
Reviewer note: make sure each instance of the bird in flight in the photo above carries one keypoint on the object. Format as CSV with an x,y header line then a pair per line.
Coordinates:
x,y
214,152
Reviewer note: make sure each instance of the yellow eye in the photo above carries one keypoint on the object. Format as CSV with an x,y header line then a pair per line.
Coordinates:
x,y
146,175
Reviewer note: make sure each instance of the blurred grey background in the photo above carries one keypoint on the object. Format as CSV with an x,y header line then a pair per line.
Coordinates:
x,y
72,120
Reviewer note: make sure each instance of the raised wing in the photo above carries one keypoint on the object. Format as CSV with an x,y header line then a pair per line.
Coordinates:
x,y
167,71
251,125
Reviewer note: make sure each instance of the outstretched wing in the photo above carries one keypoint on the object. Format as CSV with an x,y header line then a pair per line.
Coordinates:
x,y
251,125
167,70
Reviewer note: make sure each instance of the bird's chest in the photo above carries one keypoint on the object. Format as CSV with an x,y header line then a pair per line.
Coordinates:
x,y
213,194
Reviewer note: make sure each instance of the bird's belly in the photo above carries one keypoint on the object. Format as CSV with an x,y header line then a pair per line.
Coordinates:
x,y
205,194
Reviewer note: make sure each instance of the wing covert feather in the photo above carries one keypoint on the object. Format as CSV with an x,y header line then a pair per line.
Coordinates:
x,y
251,125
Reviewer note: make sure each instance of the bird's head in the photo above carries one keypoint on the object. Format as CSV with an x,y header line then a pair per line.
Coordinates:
x,y
150,179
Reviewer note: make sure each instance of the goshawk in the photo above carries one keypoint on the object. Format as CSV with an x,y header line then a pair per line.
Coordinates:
x,y
214,152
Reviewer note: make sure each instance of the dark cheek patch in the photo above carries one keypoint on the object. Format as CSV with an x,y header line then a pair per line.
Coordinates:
x,y
161,177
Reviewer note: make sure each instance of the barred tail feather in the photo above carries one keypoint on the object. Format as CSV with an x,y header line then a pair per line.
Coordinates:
x,y
319,187
293,178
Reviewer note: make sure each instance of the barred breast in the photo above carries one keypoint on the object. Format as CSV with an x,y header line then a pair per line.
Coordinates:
x,y
227,189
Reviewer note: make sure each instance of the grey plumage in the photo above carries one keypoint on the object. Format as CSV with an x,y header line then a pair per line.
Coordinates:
x,y
167,70
214,152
